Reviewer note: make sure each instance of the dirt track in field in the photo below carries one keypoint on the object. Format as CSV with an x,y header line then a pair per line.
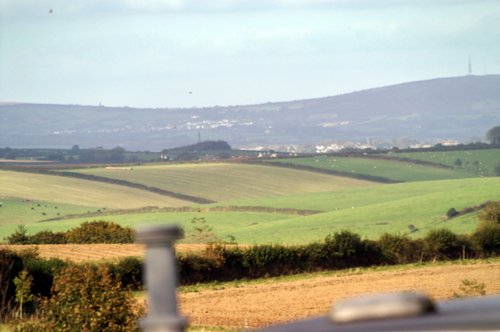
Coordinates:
x,y
269,303
95,252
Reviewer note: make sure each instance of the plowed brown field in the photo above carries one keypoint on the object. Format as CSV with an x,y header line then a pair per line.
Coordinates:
x,y
95,252
256,305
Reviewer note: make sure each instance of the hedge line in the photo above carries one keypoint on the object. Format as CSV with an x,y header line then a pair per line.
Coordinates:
x,y
223,263
88,232
325,171
338,251
155,209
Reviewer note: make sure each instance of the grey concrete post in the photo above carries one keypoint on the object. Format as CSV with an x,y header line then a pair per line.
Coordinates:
x,y
160,275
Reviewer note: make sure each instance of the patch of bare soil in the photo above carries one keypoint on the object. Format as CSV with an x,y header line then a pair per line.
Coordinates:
x,y
257,305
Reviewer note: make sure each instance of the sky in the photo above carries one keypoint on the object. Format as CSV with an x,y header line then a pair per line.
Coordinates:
x,y
195,53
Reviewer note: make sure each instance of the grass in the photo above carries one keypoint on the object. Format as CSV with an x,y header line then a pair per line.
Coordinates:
x,y
471,191
223,181
63,190
478,162
374,210
369,211
222,223
15,211
393,170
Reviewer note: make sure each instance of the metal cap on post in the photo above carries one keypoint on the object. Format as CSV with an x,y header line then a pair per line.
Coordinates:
x,y
160,275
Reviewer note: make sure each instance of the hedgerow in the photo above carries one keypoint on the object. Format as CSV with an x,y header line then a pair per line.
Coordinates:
x,y
99,231
57,281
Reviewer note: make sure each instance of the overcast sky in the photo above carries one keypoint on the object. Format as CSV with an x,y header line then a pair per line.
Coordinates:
x,y
170,53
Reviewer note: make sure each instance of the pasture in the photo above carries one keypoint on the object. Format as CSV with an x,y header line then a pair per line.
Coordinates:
x,y
367,208
368,211
479,162
223,181
394,170
16,211
374,210
51,188
222,225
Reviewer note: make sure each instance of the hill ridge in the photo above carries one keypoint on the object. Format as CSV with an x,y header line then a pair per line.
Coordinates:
x,y
459,108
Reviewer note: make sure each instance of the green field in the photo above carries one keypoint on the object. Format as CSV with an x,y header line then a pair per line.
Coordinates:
x,y
64,190
369,211
25,211
480,162
223,224
392,170
469,190
223,181
367,208
374,210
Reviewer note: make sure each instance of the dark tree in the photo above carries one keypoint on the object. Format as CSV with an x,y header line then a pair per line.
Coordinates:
x,y
493,135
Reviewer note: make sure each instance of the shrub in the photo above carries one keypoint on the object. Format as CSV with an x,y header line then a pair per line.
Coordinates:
x,y
23,290
48,237
486,239
397,249
469,288
20,236
491,212
128,271
452,213
100,232
442,244
194,269
270,260
342,249
87,298
43,271
10,266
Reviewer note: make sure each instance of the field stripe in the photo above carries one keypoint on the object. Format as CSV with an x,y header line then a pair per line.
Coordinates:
x,y
366,177
154,209
90,177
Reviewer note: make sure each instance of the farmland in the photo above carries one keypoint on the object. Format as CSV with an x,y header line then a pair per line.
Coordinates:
x,y
261,303
232,181
262,204
38,187
393,170
365,207
222,223
369,211
480,162
96,251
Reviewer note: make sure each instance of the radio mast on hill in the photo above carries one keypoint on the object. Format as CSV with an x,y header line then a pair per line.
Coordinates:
x,y
470,66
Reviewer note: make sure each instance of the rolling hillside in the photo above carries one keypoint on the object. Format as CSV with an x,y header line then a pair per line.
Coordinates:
x,y
477,162
259,203
22,190
369,211
445,108
388,170
223,181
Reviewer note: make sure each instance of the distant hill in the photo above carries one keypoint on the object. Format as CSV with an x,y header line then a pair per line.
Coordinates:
x,y
459,108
